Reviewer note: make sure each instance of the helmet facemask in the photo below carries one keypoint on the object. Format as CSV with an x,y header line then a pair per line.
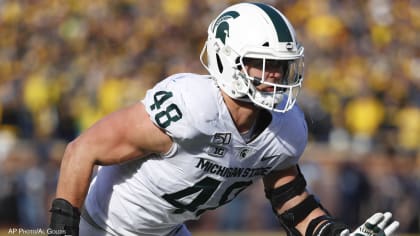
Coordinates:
x,y
277,93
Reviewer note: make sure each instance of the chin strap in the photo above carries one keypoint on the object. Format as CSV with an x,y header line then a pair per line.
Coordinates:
x,y
246,91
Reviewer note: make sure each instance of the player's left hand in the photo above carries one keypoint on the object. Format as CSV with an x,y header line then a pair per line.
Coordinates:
x,y
379,224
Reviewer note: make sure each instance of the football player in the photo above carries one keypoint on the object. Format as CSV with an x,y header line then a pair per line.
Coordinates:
x,y
195,142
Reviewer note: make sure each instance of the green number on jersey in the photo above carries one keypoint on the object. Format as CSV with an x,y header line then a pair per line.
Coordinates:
x,y
160,97
206,187
171,112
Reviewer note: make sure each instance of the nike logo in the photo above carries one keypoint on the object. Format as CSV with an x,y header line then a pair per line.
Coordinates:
x,y
269,157
281,156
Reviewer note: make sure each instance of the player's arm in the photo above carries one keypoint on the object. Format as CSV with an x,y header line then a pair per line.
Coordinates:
x,y
124,135
301,214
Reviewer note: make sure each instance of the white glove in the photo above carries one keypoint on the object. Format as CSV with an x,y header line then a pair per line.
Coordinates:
x,y
379,224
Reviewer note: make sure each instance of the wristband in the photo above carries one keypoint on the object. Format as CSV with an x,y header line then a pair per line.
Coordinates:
x,y
65,218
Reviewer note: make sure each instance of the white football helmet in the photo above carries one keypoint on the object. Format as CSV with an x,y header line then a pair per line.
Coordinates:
x,y
254,32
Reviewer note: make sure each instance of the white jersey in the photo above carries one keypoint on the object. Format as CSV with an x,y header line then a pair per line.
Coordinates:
x,y
208,165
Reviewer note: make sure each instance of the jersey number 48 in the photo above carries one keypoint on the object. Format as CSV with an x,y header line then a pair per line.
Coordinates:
x,y
170,113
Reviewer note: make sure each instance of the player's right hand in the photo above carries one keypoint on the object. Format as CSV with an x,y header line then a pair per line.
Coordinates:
x,y
64,219
379,224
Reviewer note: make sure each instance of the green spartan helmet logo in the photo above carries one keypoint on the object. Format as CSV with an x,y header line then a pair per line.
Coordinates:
x,y
222,25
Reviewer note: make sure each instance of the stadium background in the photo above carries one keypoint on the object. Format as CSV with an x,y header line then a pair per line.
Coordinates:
x,y
65,64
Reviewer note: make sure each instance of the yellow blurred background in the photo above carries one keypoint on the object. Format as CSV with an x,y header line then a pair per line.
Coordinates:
x,y
66,64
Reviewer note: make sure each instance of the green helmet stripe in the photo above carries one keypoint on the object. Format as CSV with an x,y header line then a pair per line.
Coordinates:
x,y
283,32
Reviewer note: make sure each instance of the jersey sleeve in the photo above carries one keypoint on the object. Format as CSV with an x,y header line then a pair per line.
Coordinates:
x,y
167,109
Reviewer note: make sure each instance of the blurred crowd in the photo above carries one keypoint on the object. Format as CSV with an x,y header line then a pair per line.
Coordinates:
x,y
66,64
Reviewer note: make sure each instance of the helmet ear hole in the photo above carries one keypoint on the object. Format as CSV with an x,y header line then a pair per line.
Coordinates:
x,y
219,63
